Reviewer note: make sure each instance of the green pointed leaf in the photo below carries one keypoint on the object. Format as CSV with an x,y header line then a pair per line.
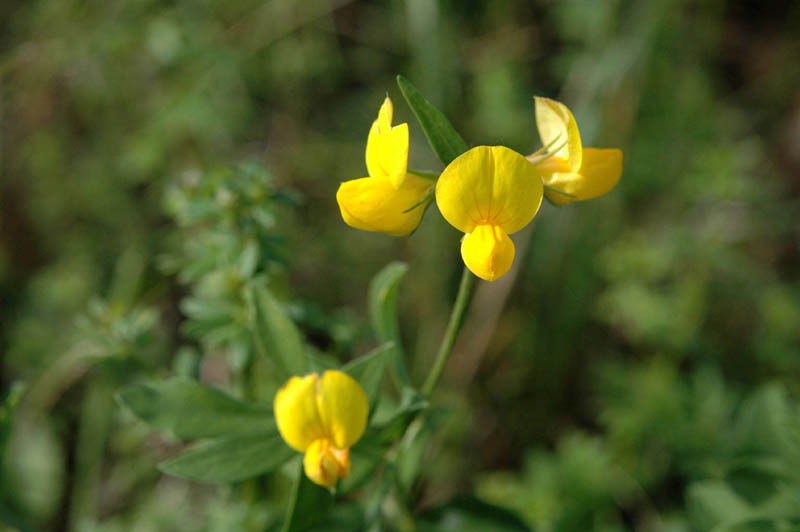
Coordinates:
x,y
309,504
368,371
231,458
442,136
382,302
191,410
277,338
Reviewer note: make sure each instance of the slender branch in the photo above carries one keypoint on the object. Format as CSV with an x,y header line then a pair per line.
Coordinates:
x,y
456,318
433,176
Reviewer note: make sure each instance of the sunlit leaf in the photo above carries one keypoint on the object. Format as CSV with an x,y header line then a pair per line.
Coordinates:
x,y
277,337
383,313
231,458
191,410
442,136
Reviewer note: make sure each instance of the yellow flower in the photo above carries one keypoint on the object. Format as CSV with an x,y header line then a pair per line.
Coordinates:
x,y
381,202
583,173
322,416
489,193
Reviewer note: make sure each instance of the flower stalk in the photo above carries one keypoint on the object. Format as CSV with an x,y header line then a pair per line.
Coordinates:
x,y
449,339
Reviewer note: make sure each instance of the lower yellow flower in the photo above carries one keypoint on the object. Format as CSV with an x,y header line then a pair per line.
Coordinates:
x,y
581,173
322,416
489,193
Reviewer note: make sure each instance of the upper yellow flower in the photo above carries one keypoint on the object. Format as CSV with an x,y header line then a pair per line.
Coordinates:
x,y
489,193
583,173
322,416
381,202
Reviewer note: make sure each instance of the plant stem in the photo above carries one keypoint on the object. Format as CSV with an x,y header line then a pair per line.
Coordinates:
x,y
433,176
456,317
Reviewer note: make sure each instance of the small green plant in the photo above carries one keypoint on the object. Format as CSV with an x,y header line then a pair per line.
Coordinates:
x,y
363,444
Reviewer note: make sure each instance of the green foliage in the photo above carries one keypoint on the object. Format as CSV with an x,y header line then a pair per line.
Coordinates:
x,y
470,515
225,238
190,410
369,370
308,505
246,441
442,136
276,336
739,467
383,289
231,458
640,374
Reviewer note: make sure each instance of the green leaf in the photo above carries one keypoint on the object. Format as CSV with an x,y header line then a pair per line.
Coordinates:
x,y
365,456
753,484
394,419
442,136
368,371
248,260
469,514
231,458
382,302
320,362
712,503
276,336
191,410
309,504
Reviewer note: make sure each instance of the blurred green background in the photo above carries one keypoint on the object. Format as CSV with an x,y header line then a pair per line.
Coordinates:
x,y
640,370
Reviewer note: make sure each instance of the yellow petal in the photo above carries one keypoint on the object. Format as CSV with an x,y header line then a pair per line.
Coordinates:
x,y
373,204
296,412
557,125
325,464
488,252
489,185
385,114
342,407
599,173
387,147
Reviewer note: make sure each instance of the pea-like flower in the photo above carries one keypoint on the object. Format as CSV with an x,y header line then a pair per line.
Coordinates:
x,y
489,193
322,416
582,173
389,200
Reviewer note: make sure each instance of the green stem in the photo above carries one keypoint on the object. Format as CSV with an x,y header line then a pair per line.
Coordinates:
x,y
433,176
456,317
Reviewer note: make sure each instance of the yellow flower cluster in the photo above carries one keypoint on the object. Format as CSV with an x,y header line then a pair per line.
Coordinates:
x,y
487,192
322,416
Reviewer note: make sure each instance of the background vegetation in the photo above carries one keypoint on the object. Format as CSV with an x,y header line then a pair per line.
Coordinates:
x,y
638,372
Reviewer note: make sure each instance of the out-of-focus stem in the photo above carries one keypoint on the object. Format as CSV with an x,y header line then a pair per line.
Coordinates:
x,y
456,318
